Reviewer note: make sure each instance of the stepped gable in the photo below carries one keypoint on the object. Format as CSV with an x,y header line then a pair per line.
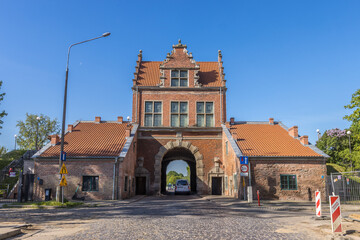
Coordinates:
x,y
264,139
206,74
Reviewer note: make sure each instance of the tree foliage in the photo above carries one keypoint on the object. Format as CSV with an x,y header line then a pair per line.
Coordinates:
x,y
28,130
3,150
335,142
2,113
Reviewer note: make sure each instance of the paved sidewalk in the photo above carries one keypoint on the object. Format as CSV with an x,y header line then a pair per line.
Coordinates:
x,y
12,229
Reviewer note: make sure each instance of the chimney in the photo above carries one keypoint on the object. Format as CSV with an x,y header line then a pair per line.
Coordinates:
x,y
120,119
271,121
127,132
293,131
304,140
55,139
232,121
70,127
97,119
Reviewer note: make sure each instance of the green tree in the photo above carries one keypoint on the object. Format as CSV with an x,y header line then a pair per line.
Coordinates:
x,y
2,113
28,130
3,150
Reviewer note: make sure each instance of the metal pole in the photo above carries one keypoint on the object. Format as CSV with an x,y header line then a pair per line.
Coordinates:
x,y
350,153
64,106
37,133
15,142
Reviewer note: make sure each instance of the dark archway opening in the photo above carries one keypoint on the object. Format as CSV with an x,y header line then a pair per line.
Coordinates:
x,y
174,154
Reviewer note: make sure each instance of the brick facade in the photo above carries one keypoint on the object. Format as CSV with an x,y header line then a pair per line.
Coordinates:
x,y
213,151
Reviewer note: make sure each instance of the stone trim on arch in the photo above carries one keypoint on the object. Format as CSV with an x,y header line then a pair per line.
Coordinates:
x,y
174,144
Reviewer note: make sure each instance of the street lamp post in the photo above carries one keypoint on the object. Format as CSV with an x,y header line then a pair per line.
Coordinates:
x,y
318,133
349,133
64,107
15,136
37,132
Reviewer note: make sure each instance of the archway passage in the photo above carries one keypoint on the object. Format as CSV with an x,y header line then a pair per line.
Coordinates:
x,y
179,153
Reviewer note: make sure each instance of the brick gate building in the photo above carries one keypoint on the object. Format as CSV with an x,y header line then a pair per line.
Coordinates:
x,y
179,113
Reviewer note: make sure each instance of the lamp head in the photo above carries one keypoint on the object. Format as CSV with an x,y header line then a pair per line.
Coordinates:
x,y
348,132
37,118
106,34
15,136
128,118
318,130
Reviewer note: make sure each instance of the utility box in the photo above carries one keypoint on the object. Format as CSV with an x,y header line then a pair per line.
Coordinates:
x,y
249,194
47,194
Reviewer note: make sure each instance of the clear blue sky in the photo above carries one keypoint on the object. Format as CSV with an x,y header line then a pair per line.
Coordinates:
x,y
296,61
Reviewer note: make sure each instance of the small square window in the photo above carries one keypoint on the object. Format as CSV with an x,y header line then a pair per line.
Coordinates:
x,y
179,78
90,183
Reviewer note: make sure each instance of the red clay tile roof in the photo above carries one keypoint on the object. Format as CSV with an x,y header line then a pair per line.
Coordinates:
x,y
269,140
149,74
92,139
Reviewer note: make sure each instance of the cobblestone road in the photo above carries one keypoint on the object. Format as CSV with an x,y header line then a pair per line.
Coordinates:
x,y
169,217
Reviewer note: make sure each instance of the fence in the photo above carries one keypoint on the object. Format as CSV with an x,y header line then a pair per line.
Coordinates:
x,y
346,185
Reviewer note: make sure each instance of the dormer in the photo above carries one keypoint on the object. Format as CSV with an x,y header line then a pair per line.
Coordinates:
x,y
179,69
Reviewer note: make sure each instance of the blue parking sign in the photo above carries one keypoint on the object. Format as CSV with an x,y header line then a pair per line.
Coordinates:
x,y
244,160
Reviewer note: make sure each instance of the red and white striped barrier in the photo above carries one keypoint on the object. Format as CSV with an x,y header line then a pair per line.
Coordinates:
x,y
335,214
318,203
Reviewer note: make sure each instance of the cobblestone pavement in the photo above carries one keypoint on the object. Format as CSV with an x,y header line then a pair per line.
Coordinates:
x,y
167,217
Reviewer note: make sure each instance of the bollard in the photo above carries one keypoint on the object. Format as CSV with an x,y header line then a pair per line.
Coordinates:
x,y
258,196
318,203
335,214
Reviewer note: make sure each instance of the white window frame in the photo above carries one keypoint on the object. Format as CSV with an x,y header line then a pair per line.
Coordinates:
x,y
213,113
179,78
188,106
153,113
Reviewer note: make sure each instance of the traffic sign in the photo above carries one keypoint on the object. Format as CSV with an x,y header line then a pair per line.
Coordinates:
x,y
63,156
244,170
244,160
63,181
63,169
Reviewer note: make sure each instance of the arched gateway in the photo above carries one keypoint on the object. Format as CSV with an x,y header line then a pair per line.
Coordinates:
x,y
182,150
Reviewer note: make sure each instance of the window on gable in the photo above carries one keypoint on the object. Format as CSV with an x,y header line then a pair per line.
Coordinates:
x,y
179,78
288,182
205,114
179,114
90,183
153,113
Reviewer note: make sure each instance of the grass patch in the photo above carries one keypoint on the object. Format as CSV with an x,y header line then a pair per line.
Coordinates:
x,y
47,203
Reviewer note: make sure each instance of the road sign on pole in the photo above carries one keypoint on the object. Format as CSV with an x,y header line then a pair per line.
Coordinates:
x,y
63,181
244,170
63,169
63,156
244,160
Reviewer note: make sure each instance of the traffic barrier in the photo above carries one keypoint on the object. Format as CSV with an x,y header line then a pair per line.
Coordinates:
x,y
318,203
335,214
258,196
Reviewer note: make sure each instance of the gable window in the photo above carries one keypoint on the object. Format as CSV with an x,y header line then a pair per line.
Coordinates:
x,y
153,113
179,114
205,114
288,182
90,183
179,78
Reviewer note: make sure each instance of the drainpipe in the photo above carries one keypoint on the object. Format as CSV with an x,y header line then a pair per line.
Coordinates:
x,y
136,108
114,179
221,118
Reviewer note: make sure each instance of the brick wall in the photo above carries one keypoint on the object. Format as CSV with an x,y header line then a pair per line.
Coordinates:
x,y
266,177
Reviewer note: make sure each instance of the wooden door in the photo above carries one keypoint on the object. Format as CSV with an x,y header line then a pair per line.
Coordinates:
x,y
140,185
216,186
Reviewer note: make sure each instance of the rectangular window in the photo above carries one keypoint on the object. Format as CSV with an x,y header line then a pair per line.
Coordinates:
x,y
179,78
288,182
227,148
179,114
90,183
153,114
205,114
125,183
